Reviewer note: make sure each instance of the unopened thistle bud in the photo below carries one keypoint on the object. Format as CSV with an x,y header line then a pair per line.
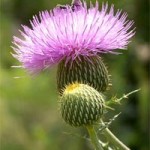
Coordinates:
x,y
86,70
81,105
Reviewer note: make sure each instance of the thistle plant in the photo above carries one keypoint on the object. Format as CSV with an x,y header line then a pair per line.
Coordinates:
x,y
75,37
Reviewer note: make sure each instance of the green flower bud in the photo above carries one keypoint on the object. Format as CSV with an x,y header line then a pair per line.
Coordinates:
x,y
86,70
81,105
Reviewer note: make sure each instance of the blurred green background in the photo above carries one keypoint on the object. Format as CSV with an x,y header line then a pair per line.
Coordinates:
x,y
29,115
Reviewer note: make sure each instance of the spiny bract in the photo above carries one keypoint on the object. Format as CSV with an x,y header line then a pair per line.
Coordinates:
x,y
86,70
81,105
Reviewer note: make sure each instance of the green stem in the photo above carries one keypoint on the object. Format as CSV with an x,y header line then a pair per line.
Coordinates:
x,y
113,139
94,137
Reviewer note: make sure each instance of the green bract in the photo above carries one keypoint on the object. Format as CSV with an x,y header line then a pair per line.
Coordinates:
x,y
86,70
81,105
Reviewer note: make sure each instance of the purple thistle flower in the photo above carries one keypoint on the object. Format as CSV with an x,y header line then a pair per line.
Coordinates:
x,y
71,32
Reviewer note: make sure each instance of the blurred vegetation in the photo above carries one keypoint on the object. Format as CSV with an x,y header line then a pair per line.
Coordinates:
x,y
29,115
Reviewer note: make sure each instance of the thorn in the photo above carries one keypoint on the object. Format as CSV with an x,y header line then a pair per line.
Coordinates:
x,y
115,100
16,66
108,107
125,96
18,77
110,84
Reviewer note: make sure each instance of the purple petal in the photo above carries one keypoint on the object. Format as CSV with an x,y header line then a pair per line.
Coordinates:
x,y
68,33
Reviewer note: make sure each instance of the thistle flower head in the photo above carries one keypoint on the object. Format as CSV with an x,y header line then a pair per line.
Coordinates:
x,y
81,104
70,32
82,70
